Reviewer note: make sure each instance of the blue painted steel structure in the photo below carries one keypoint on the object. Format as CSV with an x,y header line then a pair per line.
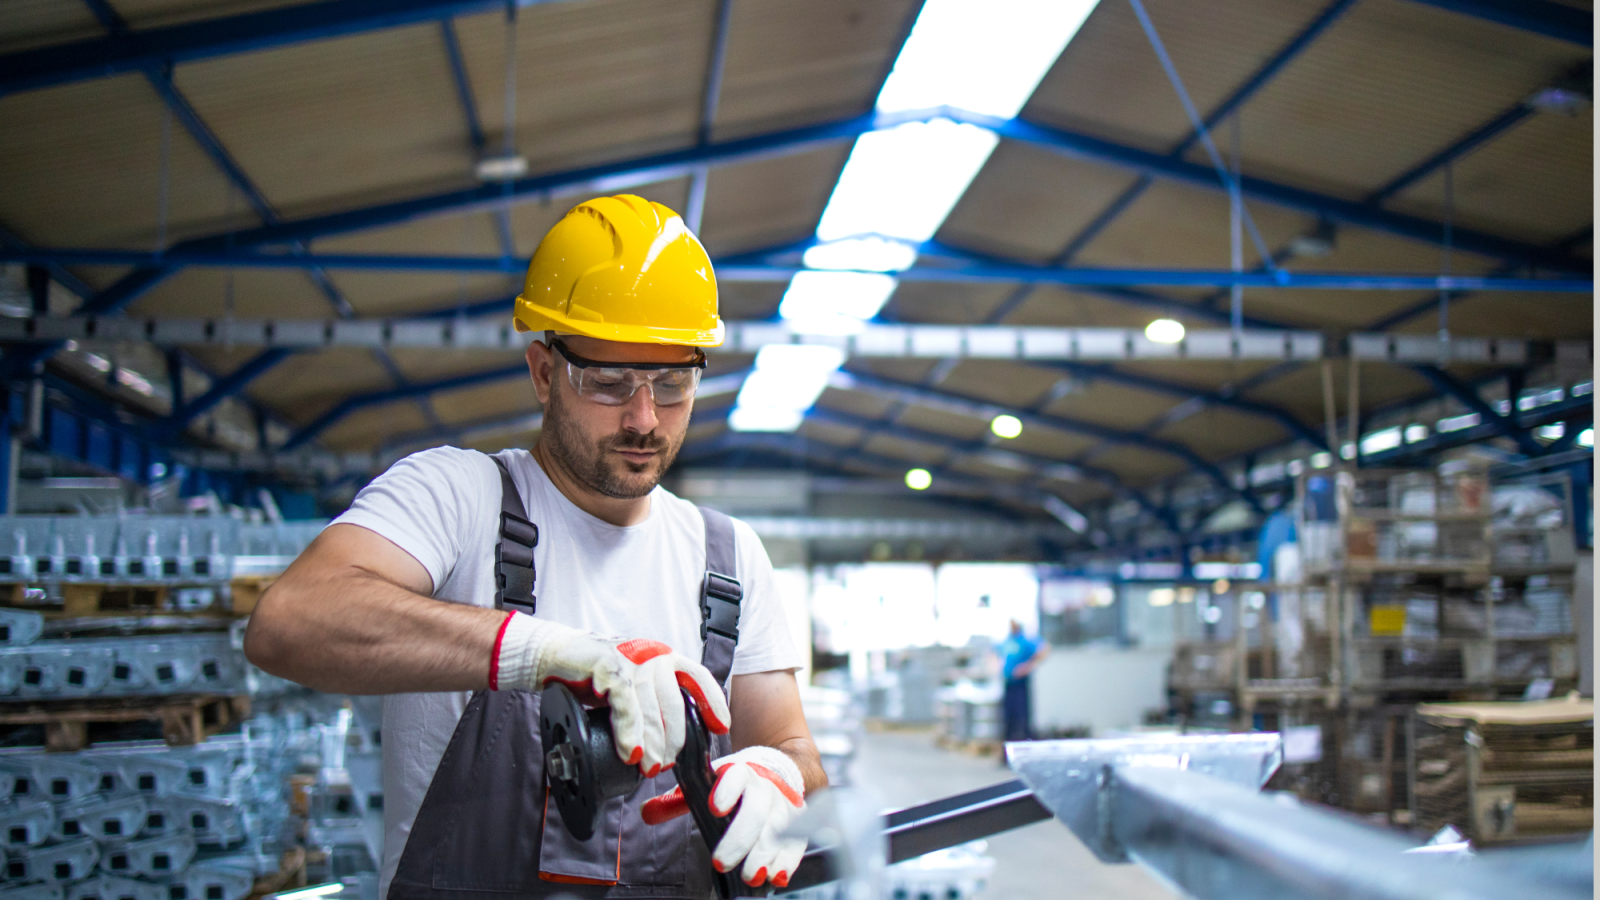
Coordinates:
x,y
1556,20
956,266
404,392
469,111
1505,425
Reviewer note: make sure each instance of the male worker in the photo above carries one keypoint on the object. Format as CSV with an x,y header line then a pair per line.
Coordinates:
x,y
461,584
1019,656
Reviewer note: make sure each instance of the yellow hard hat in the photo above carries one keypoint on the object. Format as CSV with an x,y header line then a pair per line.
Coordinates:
x,y
622,269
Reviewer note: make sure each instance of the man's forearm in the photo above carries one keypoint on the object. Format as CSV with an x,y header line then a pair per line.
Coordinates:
x,y
805,755
355,633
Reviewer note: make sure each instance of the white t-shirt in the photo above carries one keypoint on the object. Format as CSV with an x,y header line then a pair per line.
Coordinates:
x,y
442,506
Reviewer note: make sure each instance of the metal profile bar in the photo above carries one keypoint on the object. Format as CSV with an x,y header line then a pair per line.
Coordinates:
x,y
222,388
210,38
1555,20
463,85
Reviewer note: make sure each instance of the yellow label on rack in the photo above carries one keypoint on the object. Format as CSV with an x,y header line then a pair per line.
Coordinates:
x,y
1386,620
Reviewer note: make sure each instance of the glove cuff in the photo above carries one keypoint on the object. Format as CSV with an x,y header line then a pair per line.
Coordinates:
x,y
770,758
514,664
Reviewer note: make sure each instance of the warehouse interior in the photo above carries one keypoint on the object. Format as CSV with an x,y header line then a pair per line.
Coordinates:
x,y
1231,362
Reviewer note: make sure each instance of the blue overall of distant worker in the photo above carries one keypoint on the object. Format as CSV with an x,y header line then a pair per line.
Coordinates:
x,y
1019,656
461,584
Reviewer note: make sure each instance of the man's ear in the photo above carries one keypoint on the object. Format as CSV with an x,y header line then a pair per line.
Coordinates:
x,y
541,366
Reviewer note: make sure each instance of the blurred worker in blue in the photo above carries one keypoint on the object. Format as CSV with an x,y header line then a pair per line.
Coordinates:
x,y
1019,656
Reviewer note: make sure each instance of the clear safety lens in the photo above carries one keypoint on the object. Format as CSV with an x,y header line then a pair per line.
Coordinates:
x,y
615,386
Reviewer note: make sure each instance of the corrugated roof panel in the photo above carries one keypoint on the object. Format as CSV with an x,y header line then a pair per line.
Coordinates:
x,y
1542,316
601,79
1055,443
502,399
1219,433
955,427
83,164
338,123
899,446
1110,83
1390,85
946,303
1029,204
771,202
1300,392
1175,225
1535,181
379,293
792,64
44,23
308,384
1137,467
257,293
856,403
1109,404
365,428
142,14
432,365
1048,305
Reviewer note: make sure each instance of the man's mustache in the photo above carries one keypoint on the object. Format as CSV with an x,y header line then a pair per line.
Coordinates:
x,y
633,441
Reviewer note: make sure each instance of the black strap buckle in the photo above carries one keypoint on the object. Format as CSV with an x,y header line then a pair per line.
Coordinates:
x,y
719,606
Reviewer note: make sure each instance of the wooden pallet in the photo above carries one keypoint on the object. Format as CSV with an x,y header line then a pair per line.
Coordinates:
x,y
184,719
291,874
969,746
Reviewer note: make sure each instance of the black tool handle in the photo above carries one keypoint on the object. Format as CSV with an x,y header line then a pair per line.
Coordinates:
x,y
696,779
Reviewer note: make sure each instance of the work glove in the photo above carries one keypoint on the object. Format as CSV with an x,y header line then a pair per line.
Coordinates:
x,y
765,785
638,678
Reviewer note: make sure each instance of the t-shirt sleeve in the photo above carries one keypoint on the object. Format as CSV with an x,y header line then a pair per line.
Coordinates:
x,y
765,643
423,504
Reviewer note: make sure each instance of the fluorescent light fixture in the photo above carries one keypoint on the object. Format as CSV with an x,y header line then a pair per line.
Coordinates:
x,y
508,167
787,380
1006,426
1456,423
901,182
919,479
1378,441
834,302
867,254
321,890
1164,331
1321,460
1068,516
1586,437
985,57
1415,432
746,418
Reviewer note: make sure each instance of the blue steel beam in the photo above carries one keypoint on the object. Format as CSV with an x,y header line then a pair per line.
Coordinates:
x,y
406,392
1506,425
1556,20
972,269
469,111
1474,139
229,385
1245,91
134,51
679,163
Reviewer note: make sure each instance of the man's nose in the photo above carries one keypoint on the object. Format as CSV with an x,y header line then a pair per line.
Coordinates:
x,y
639,413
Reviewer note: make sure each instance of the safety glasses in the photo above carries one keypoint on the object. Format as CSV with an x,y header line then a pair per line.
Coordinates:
x,y
613,384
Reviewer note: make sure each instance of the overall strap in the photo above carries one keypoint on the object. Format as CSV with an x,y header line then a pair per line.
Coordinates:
x,y
719,597
513,553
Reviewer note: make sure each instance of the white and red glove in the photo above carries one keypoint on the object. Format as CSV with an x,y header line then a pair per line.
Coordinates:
x,y
638,678
765,784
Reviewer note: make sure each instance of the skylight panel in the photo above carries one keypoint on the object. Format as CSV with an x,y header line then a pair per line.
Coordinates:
x,y
834,302
984,57
787,380
870,254
902,182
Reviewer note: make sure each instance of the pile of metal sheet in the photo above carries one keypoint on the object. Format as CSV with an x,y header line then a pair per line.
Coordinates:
x,y
145,549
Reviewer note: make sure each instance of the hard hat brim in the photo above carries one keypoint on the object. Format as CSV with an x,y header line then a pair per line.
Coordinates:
x,y
528,317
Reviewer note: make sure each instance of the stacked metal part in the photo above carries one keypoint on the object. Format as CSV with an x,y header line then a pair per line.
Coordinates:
x,y
199,551
148,665
141,821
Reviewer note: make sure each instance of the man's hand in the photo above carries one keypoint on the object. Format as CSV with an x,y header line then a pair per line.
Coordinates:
x,y
638,678
765,785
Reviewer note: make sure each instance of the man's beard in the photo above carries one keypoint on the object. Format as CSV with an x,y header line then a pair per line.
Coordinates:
x,y
588,463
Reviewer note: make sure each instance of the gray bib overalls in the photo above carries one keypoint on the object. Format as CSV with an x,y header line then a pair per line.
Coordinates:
x,y
485,830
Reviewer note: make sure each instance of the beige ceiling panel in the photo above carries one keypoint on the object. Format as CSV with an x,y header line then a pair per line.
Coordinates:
x,y
899,446
501,399
597,80
1114,406
1323,309
1175,225
1136,467
793,64
1029,204
756,205
85,171
946,303
1055,443
1218,433
160,13
746,300
830,433
257,294
939,422
1051,305
1300,392
366,429
418,364
976,467
1540,316
340,123
856,403
998,381
1109,82
907,371
1535,181
1201,375
306,385
377,293
43,23
1390,85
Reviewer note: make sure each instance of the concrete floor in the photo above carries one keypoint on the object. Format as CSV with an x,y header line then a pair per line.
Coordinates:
x,y
1043,860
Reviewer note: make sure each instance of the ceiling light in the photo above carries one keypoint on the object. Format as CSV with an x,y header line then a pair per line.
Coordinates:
x,y
919,479
1068,516
1006,426
507,167
902,181
787,380
834,302
868,254
1164,331
985,57
1586,437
